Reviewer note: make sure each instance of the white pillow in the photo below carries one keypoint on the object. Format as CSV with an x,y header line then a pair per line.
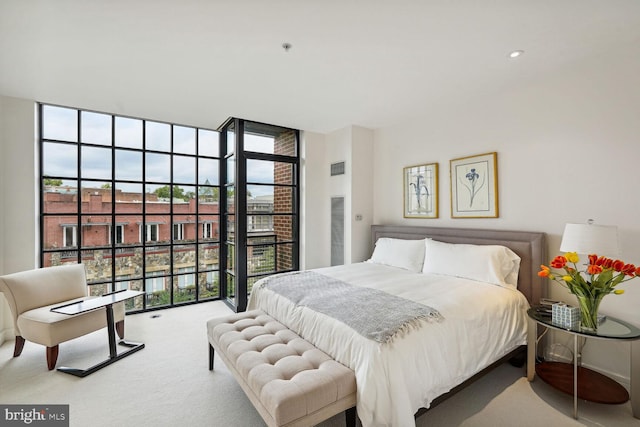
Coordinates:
x,y
493,264
407,254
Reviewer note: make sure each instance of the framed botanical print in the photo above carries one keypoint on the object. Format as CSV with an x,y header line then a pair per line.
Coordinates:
x,y
421,191
474,186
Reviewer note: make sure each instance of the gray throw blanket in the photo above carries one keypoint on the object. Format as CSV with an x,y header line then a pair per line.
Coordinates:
x,y
372,313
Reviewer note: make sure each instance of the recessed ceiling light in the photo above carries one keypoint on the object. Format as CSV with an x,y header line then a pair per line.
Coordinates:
x,y
515,53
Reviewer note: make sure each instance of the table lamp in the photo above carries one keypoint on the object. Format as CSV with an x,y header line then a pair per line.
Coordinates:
x,y
589,238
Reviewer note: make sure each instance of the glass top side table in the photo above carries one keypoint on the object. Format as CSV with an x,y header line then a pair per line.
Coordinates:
x,y
610,329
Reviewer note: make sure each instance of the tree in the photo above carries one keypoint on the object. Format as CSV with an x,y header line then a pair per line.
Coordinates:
x,y
53,182
178,193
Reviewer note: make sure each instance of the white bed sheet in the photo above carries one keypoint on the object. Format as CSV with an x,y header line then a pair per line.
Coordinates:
x,y
482,323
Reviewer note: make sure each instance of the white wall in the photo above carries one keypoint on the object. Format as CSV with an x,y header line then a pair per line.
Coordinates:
x,y
315,250
354,146
568,150
18,211
362,191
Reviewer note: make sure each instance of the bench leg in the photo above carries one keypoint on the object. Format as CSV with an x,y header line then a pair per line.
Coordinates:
x,y
17,350
350,417
211,353
52,357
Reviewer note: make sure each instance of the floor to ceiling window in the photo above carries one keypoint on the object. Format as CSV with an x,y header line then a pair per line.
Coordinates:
x,y
183,213
136,201
261,196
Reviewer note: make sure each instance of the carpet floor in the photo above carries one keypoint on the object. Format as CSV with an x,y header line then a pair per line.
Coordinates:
x,y
168,384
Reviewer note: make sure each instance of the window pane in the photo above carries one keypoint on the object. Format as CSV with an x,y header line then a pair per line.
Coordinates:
x,y
128,132
261,255
208,226
184,200
96,197
59,160
64,257
129,197
95,231
184,140
60,196
59,123
269,139
208,256
258,143
260,198
128,266
130,227
158,291
268,172
231,170
158,136
96,163
184,169
128,165
155,230
184,256
231,228
208,171
208,198
136,303
99,263
259,223
231,286
157,198
208,141
231,200
184,288
209,285
157,261
60,231
231,139
158,167
95,128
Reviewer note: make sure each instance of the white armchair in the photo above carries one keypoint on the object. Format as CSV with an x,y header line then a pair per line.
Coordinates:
x,y
31,295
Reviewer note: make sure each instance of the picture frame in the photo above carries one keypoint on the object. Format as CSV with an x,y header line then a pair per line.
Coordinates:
x,y
421,191
474,186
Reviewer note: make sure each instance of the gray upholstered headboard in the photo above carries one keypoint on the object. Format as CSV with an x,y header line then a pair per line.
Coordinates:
x,y
530,247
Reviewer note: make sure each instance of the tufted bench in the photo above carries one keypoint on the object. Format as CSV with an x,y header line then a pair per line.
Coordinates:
x,y
289,381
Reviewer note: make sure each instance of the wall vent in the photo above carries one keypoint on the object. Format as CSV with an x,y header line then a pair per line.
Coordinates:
x,y
337,168
337,230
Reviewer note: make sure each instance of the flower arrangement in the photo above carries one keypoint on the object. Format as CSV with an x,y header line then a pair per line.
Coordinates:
x,y
590,286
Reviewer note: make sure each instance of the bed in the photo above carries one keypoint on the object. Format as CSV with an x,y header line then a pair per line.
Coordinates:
x,y
470,323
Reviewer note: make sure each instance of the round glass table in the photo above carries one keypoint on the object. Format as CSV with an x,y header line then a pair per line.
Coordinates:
x,y
577,380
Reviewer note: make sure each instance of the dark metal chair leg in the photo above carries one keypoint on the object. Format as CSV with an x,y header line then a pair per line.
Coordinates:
x,y
211,353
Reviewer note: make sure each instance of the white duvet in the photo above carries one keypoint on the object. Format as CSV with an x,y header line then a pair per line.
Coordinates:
x,y
482,322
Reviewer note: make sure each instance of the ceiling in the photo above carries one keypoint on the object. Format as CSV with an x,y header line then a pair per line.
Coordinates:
x,y
367,63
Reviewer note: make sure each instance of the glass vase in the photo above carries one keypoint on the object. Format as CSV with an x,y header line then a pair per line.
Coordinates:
x,y
589,312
